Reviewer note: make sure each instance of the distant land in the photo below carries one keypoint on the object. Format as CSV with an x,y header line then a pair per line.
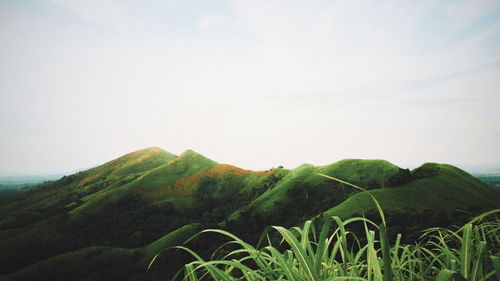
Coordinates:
x,y
24,181
492,179
480,168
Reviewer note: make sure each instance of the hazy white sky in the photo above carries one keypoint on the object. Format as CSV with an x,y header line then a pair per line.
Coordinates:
x,y
255,83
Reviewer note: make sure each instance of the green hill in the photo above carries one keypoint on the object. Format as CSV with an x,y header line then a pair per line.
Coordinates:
x,y
106,206
149,185
431,195
113,218
302,193
103,263
437,187
67,192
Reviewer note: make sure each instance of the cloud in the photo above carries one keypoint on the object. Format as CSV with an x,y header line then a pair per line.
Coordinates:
x,y
210,20
315,77
102,11
169,3
462,13
347,45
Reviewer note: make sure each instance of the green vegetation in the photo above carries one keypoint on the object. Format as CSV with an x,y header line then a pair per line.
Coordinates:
x,y
469,253
127,209
431,195
436,187
103,263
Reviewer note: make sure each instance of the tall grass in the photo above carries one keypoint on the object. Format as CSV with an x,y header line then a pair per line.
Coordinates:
x,y
335,253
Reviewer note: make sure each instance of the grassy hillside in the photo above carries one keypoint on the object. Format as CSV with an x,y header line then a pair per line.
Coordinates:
x,y
103,263
107,206
69,191
148,184
126,210
431,195
302,193
437,187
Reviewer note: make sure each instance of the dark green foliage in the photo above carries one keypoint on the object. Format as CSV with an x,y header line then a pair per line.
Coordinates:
x,y
402,177
425,171
9,195
134,223
204,198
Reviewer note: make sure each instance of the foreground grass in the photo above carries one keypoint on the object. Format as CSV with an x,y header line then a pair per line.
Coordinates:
x,y
334,253
469,253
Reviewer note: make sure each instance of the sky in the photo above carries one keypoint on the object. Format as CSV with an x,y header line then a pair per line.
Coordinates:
x,y
253,83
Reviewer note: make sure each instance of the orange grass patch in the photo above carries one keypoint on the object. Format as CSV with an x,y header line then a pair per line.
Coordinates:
x,y
184,187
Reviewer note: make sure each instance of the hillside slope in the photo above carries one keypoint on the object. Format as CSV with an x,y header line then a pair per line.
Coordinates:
x,y
106,206
437,187
53,197
103,263
433,194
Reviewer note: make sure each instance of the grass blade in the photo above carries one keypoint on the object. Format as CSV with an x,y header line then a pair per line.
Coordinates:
x,y
379,208
384,241
466,251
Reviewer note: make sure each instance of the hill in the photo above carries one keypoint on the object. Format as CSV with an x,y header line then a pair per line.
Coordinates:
x,y
430,195
102,263
439,187
123,212
125,203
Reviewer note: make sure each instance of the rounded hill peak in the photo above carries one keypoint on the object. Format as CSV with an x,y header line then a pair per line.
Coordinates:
x,y
151,148
371,162
368,173
135,162
152,151
433,169
190,153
